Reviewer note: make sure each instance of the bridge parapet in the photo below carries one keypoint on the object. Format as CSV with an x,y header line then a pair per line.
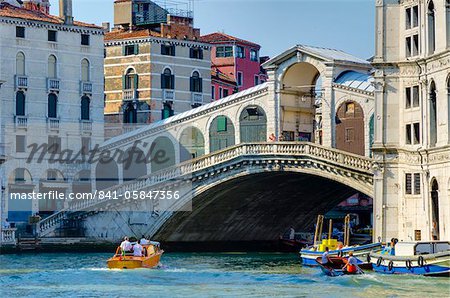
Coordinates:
x,y
317,158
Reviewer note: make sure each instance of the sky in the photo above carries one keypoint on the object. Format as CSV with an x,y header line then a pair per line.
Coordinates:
x,y
276,25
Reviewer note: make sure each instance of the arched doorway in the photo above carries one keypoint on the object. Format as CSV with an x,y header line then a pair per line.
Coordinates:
x,y
163,154
221,133
134,164
106,174
350,128
300,89
253,122
435,209
192,144
19,182
433,115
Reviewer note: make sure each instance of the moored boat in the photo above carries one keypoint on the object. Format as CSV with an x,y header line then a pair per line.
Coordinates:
x,y
337,249
420,258
150,259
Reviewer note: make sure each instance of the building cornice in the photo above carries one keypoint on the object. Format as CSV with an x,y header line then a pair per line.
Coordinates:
x,y
158,40
51,26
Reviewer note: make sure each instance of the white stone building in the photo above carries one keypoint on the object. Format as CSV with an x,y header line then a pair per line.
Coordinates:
x,y
52,68
412,130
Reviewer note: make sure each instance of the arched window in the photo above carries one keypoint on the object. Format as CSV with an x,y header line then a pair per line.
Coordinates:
x,y
20,64
85,106
433,115
196,82
85,73
52,106
167,79
130,80
52,73
431,28
20,103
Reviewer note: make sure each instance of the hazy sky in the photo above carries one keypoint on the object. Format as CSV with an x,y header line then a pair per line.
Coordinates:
x,y
274,24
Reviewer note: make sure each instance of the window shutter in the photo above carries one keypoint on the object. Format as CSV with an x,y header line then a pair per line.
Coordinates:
x,y
123,50
163,80
124,82
163,49
221,124
191,53
171,112
191,87
173,51
136,81
172,82
200,80
200,54
136,49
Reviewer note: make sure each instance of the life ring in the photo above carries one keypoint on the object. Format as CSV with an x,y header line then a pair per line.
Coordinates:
x,y
408,264
380,259
368,258
420,261
391,265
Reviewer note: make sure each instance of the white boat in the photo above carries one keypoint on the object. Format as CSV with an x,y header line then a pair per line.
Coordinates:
x,y
430,258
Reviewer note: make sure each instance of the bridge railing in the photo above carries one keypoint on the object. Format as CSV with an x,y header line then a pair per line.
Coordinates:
x,y
287,149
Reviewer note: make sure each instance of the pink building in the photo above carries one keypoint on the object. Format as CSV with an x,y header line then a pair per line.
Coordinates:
x,y
235,58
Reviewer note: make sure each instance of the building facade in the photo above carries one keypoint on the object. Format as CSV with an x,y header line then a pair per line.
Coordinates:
x,y
155,65
52,68
412,113
221,84
235,58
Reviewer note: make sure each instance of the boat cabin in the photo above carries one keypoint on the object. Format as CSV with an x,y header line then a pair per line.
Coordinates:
x,y
421,248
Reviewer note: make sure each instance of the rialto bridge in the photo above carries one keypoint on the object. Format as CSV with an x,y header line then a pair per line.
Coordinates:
x,y
248,165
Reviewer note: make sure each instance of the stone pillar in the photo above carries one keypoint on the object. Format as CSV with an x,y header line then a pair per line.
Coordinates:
x,y
328,109
273,102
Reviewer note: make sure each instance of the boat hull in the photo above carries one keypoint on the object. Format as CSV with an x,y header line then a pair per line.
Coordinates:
x,y
361,253
131,262
432,265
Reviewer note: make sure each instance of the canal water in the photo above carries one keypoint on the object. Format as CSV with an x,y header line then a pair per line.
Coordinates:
x,y
198,275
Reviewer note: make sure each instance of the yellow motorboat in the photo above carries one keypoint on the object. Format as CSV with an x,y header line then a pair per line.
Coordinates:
x,y
150,259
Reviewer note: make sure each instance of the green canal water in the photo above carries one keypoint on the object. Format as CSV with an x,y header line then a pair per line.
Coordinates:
x,y
198,275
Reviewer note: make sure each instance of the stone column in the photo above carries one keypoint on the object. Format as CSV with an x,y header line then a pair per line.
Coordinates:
x,y
273,102
328,109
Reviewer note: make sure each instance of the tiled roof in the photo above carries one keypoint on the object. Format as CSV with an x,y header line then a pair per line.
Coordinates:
x,y
11,11
225,38
119,34
215,73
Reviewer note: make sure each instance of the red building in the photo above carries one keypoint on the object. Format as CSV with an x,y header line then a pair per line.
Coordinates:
x,y
234,58
221,84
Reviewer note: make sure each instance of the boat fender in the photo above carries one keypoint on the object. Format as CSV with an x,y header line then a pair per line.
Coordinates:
x,y
368,258
380,259
391,265
408,264
420,261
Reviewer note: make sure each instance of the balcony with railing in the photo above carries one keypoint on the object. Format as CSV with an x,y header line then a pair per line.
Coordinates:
x,y
129,94
168,94
21,82
8,236
85,87
196,98
21,121
86,126
53,123
53,84
157,14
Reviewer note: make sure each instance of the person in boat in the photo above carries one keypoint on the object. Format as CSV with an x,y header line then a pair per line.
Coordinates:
x,y
325,256
144,240
352,264
125,246
137,250
390,249
434,231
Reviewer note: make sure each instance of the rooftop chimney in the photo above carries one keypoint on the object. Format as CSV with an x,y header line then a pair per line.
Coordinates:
x,y
65,11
